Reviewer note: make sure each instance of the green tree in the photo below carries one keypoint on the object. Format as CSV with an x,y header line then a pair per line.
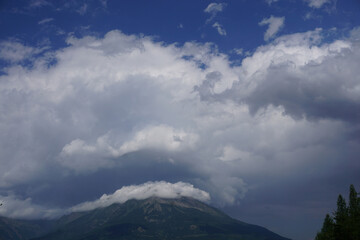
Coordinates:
x,y
345,223
354,214
327,231
341,220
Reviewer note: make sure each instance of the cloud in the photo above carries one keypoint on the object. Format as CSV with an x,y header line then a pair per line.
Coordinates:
x,y
311,15
80,156
160,137
275,24
213,9
150,189
301,77
14,207
83,9
14,51
39,3
230,153
45,20
317,3
219,28
271,1
125,109
103,3
238,51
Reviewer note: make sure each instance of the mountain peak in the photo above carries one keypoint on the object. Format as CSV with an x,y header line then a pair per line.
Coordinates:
x,y
155,218
156,203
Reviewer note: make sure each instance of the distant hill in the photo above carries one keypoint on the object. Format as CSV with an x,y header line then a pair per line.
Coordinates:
x,y
154,218
11,229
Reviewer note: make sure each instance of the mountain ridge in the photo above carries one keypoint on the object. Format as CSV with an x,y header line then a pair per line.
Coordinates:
x,y
155,218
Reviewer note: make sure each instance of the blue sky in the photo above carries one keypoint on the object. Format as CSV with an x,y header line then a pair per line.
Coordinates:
x,y
171,21
249,105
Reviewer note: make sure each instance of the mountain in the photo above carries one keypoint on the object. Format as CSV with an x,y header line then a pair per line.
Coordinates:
x,y
11,229
155,218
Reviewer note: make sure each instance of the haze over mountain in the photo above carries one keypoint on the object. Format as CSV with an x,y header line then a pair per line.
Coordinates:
x,y
151,218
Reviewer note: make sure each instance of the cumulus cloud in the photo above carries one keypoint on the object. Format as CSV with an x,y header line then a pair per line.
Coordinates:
x,y
120,104
219,28
213,9
275,24
304,78
14,51
230,153
77,153
160,137
153,102
317,3
150,189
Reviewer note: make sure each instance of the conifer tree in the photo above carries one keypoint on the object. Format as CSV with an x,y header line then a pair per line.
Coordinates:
x,y
354,214
345,224
341,217
327,231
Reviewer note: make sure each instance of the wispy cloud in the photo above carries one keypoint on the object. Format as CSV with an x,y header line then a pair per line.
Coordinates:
x,y
39,3
219,28
46,20
275,24
238,51
83,9
271,1
213,9
103,3
317,3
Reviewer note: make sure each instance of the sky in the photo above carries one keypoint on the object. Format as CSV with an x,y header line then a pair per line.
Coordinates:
x,y
250,106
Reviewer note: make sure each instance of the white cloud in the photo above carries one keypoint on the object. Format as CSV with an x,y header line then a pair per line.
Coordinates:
x,y
230,153
317,3
295,50
14,51
160,137
150,189
275,24
219,28
238,51
311,15
81,156
38,3
45,20
17,208
213,9
355,34
103,97
14,207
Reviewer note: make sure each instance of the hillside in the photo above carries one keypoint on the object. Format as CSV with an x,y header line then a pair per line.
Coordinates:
x,y
155,218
